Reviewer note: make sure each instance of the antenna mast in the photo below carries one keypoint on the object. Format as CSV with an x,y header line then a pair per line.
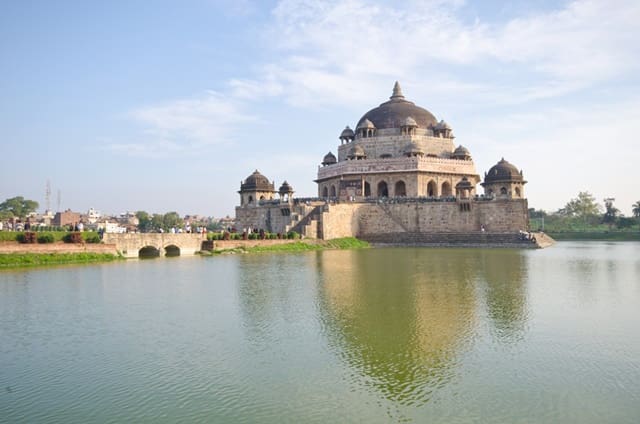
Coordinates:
x,y
47,196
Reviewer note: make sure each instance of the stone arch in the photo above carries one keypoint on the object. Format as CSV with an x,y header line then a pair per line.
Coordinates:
x,y
432,189
383,190
146,252
446,189
261,197
333,191
503,191
325,192
518,192
400,189
172,250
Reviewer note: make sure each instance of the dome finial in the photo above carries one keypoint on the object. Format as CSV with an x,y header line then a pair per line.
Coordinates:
x,y
397,92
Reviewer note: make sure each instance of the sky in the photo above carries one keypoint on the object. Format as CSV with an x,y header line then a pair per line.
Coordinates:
x,y
166,106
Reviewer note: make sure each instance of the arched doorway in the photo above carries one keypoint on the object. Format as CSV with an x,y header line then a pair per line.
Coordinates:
x,y
446,189
325,192
400,189
333,191
367,189
383,191
432,189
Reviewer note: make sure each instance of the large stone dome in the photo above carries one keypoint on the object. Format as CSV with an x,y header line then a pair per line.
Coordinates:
x,y
256,181
395,112
503,171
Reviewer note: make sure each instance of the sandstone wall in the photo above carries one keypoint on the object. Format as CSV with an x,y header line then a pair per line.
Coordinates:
x,y
270,217
366,219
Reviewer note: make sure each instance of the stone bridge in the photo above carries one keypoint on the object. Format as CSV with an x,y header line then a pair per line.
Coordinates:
x,y
134,245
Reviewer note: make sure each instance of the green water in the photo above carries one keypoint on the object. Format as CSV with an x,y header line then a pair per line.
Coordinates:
x,y
364,336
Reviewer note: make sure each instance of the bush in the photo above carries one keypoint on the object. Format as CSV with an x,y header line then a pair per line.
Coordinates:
x,y
293,235
92,238
46,238
75,237
26,237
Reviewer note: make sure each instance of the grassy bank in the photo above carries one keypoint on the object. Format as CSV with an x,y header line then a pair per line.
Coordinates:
x,y
595,236
40,259
301,246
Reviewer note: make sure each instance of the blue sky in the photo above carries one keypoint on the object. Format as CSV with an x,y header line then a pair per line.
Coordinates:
x,y
166,106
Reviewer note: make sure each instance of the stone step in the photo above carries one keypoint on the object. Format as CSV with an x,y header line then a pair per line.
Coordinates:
x,y
452,239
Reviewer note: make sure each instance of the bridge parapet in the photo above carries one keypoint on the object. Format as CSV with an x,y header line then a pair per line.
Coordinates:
x,y
129,244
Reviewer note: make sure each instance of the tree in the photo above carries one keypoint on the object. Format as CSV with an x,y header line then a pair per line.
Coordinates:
x,y
18,207
144,221
582,207
171,220
611,212
624,222
636,209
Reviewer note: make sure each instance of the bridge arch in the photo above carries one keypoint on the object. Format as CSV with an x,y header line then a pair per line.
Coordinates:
x,y
172,250
148,252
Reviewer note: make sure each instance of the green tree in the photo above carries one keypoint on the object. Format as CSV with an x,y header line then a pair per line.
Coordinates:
x,y
157,221
584,207
18,207
171,220
636,209
144,221
624,222
611,212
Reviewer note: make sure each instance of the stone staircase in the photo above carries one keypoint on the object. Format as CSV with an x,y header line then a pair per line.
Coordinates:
x,y
391,216
457,240
309,223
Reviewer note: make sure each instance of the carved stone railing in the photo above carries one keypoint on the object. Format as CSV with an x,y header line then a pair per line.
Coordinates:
x,y
404,164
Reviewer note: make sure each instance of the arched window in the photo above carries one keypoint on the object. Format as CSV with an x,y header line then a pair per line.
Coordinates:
x,y
367,189
503,191
518,192
446,189
261,197
325,192
333,191
400,189
250,199
432,188
383,191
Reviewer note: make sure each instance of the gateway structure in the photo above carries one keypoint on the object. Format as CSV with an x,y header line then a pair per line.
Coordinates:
x,y
397,178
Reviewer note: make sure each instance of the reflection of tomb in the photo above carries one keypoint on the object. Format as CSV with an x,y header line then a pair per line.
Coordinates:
x,y
506,295
400,318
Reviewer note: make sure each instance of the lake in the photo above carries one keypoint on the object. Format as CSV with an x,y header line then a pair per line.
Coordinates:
x,y
376,336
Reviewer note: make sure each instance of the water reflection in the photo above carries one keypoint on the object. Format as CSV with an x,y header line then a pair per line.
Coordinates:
x,y
402,318
506,295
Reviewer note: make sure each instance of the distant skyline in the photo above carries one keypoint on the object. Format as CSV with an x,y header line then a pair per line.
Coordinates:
x,y
166,106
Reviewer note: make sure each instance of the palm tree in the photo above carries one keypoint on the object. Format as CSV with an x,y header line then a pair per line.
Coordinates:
x,y
636,209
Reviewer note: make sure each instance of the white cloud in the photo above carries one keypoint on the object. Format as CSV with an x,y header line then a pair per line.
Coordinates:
x,y
332,48
185,125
